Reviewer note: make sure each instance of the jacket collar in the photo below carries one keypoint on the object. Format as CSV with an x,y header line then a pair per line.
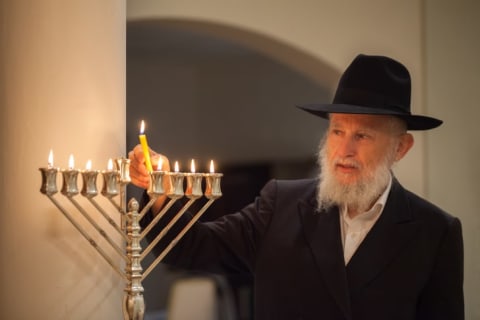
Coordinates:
x,y
388,236
322,231
390,233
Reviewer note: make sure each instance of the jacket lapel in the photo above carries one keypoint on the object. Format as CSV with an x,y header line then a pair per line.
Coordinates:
x,y
391,232
322,231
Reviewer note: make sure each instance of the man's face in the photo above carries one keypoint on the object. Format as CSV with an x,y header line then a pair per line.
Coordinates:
x,y
357,144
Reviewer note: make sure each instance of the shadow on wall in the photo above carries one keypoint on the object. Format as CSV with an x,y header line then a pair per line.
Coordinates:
x,y
211,91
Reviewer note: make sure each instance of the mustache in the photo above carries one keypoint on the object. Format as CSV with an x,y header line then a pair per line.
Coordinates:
x,y
347,163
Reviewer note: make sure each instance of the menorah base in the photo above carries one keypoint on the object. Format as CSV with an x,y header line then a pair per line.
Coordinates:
x,y
133,307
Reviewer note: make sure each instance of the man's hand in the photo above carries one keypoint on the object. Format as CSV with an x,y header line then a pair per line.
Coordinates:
x,y
138,171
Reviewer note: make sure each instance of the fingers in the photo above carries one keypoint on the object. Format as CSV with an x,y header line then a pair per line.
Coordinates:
x,y
138,178
138,172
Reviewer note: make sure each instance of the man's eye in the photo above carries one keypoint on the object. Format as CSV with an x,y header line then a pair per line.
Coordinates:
x,y
336,132
362,136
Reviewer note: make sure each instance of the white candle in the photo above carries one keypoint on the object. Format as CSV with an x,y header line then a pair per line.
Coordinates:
x,y
88,166
212,168
192,166
160,164
50,159
110,165
71,162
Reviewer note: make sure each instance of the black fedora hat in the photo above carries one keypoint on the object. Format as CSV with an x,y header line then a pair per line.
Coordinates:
x,y
374,85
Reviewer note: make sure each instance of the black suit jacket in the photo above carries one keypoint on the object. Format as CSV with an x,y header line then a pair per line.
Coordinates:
x,y
409,266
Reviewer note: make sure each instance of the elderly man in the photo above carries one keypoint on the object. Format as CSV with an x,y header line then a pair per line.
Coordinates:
x,y
353,243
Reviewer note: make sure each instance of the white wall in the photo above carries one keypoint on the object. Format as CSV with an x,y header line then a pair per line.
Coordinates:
x,y
62,71
453,82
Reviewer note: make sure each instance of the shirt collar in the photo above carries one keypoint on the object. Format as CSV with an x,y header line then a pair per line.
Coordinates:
x,y
376,209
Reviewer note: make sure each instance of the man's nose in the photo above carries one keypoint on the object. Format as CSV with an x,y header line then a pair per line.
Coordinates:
x,y
347,147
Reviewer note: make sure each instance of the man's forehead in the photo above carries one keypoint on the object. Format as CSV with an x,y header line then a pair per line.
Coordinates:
x,y
365,120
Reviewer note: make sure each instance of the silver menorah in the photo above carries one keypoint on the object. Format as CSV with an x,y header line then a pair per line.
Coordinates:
x,y
162,183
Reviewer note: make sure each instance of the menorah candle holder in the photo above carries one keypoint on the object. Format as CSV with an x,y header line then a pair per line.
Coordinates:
x,y
162,183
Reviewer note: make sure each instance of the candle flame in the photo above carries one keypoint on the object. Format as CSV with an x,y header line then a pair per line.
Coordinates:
x,y
71,162
88,166
212,168
50,158
177,169
160,164
142,127
192,166
110,164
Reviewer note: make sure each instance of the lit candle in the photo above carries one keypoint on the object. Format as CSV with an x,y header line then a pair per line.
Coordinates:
x,y
69,187
71,162
110,180
176,179
50,159
49,177
160,164
143,141
88,166
110,165
192,166
194,183
212,167
89,188
156,185
212,186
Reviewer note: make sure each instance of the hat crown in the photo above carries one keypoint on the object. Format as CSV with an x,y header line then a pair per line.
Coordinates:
x,y
375,81
375,85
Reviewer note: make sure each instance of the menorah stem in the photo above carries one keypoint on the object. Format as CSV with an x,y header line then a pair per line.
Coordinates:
x,y
107,217
177,238
165,229
87,237
134,306
97,227
123,205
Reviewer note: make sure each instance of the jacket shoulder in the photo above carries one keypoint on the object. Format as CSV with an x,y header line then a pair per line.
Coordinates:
x,y
424,209
298,188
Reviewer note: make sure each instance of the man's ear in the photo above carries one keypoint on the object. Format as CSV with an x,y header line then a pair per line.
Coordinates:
x,y
404,144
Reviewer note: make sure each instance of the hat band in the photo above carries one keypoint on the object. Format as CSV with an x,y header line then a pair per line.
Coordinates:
x,y
370,100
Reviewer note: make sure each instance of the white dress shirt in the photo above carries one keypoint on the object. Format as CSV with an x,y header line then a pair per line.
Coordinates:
x,y
355,230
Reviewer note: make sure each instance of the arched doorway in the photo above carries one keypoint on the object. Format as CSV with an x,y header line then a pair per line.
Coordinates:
x,y
213,91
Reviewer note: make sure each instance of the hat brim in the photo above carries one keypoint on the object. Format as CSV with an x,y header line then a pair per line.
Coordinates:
x,y
414,122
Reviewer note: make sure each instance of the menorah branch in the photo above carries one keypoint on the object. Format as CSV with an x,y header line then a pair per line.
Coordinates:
x,y
174,242
86,236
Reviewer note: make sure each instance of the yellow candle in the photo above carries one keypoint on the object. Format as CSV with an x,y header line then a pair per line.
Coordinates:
x,y
143,142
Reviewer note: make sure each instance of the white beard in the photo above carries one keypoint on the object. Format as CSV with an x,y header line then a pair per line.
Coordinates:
x,y
358,196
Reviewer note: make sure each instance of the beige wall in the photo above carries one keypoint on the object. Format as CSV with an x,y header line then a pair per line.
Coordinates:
x,y
452,92
62,71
